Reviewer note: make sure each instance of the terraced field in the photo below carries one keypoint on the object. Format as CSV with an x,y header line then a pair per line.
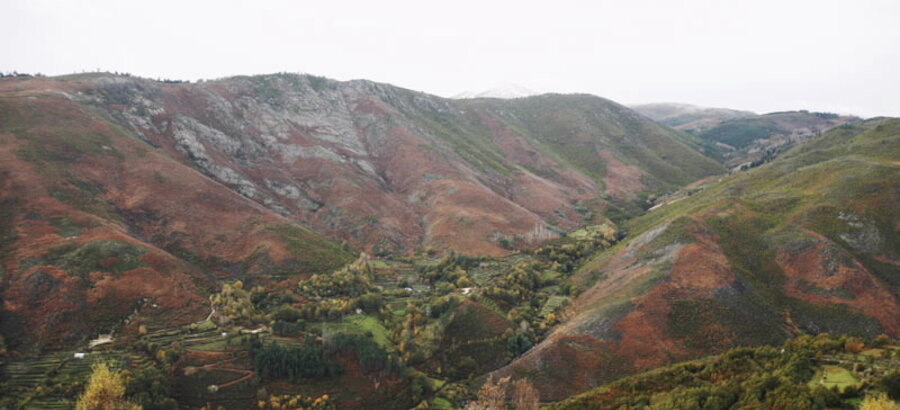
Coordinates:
x,y
51,381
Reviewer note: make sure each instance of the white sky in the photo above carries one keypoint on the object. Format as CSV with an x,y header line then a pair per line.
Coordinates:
x,y
761,55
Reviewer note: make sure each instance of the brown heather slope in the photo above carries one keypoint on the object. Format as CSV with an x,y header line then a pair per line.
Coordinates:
x,y
96,224
806,244
389,169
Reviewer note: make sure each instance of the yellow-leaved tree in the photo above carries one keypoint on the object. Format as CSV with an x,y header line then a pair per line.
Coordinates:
x,y
105,391
879,401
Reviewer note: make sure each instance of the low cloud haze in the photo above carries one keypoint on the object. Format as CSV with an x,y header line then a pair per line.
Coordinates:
x,y
756,55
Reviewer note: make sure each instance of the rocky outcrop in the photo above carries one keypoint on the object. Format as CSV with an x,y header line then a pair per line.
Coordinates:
x,y
390,169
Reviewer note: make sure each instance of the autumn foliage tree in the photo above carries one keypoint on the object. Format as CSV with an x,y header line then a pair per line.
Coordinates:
x,y
494,395
105,391
879,402
525,396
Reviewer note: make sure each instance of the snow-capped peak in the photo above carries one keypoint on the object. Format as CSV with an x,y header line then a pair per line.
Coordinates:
x,y
506,91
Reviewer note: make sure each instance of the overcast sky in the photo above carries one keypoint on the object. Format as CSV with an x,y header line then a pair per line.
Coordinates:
x,y
761,55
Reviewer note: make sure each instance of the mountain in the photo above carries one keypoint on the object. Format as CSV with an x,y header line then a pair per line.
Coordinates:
x,y
503,91
122,193
749,141
805,244
389,169
97,225
688,117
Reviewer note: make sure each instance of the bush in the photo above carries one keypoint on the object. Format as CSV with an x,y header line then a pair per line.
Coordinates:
x,y
149,387
288,329
370,302
891,385
287,313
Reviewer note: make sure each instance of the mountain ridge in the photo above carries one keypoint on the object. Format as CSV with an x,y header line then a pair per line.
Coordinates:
x,y
337,134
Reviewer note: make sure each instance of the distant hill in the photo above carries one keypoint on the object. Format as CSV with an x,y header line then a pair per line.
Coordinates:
x,y
750,141
743,138
807,243
688,117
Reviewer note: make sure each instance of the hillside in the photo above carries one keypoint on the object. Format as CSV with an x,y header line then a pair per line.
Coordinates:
x,y
805,244
749,141
392,170
804,373
96,225
690,118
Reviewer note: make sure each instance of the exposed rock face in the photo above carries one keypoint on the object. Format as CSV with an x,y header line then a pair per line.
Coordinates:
x,y
391,169
95,224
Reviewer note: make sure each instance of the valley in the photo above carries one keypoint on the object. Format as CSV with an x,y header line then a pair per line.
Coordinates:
x,y
253,241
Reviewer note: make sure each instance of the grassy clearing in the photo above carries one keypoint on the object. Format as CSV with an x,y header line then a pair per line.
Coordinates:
x,y
834,376
360,324
97,256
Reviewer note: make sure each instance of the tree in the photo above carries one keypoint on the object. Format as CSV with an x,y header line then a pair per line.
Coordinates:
x,y
891,385
879,402
149,387
105,391
492,395
525,396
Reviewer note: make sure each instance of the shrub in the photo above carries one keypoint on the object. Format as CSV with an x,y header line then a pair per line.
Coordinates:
x,y
288,329
891,385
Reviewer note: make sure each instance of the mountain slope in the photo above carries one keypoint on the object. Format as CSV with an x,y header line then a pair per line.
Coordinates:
x,y
97,225
805,244
390,169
